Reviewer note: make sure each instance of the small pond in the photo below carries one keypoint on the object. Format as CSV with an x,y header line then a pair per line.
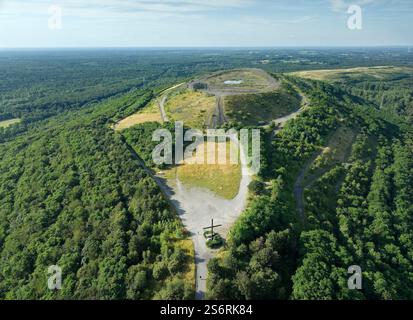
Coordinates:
x,y
232,82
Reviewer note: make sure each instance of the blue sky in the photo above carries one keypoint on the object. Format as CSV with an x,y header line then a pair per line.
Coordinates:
x,y
202,23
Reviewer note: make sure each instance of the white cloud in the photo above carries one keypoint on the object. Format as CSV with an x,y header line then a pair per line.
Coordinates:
x,y
166,6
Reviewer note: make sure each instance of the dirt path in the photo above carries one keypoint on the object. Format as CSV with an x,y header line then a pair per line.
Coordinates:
x,y
301,183
219,116
280,122
161,104
162,100
197,207
299,187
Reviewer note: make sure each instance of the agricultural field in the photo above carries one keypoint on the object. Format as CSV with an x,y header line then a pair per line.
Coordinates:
x,y
381,73
195,109
222,179
149,114
8,123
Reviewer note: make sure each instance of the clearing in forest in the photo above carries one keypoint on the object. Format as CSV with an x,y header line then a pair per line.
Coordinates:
x,y
148,114
222,179
383,73
8,123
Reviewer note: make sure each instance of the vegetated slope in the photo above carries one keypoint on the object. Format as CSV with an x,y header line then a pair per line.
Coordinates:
x,y
149,113
365,220
72,195
194,109
391,97
261,108
389,88
367,223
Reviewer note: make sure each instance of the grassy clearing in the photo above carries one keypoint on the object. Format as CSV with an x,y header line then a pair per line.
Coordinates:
x,y
337,151
254,109
385,73
150,113
8,123
195,109
222,179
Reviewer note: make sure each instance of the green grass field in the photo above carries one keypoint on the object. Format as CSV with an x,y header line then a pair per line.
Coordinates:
x,y
8,123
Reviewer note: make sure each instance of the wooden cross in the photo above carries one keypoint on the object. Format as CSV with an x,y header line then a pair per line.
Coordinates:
x,y
212,228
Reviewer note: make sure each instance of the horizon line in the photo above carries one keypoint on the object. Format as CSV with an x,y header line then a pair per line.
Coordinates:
x,y
210,47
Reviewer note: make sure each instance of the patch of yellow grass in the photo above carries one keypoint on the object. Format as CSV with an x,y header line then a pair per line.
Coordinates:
x,y
8,123
222,179
150,113
339,74
195,109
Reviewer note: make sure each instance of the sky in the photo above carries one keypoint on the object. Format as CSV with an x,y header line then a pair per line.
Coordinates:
x,y
203,23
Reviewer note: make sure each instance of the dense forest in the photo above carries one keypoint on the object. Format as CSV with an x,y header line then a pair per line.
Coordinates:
x,y
357,213
72,194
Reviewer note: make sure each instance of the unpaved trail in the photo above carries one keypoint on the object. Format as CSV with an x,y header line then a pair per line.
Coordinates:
x,y
197,207
299,187
304,105
219,116
300,184
162,100
161,104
